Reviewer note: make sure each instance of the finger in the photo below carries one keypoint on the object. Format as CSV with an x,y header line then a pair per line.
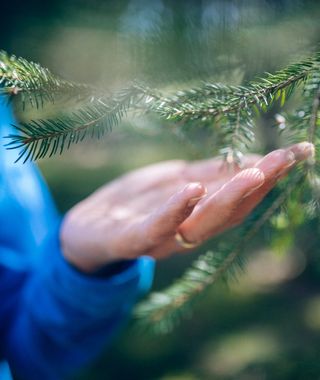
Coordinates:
x,y
214,213
275,166
208,169
158,177
142,180
152,199
217,168
214,173
163,223
278,163
152,233
302,151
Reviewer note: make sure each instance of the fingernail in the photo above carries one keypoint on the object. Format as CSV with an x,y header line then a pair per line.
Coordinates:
x,y
193,201
290,157
192,186
252,190
259,176
303,151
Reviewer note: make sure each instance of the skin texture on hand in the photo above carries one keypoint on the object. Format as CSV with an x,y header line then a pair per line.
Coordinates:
x,y
141,212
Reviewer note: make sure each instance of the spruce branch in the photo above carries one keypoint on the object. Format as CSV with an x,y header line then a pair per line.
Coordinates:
x,y
228,111
89,110
225,111
228,99
34,84
46,137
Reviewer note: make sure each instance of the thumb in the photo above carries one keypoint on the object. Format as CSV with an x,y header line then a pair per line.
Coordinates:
x,y
163,223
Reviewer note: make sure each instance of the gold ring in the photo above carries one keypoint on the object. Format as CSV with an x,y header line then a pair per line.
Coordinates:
x,y
183,242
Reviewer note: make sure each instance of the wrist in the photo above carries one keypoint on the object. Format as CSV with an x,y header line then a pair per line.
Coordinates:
x,y
76,259
78,253
82,251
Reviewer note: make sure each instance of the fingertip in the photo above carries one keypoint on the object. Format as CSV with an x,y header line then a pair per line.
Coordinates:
x,y
165,220
194,191
303,150
193,186
271,157
276,161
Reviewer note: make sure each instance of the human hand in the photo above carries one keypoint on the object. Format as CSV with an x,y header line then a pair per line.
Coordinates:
x,y
158,209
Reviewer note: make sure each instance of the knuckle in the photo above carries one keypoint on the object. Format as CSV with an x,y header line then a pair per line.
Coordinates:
x,y
156,236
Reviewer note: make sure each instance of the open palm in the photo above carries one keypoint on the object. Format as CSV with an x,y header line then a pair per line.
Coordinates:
x,y
141,212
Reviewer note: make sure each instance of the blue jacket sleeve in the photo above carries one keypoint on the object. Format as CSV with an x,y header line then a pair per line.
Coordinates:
x,y
64,318
54,318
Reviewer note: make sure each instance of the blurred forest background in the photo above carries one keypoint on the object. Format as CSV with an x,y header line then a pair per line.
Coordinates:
x,y
267,324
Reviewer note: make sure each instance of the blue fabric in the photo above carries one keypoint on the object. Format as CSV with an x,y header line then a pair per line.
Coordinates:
x,y
53,319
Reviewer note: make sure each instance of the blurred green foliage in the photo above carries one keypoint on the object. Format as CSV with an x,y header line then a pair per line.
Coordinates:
x,y
267,326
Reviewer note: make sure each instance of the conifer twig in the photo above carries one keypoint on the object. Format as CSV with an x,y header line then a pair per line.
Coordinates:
x,y
228,107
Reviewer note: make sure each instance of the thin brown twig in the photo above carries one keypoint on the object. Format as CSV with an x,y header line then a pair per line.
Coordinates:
x,y
314,116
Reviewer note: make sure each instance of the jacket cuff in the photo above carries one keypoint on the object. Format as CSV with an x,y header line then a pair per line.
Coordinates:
x,y
102,293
